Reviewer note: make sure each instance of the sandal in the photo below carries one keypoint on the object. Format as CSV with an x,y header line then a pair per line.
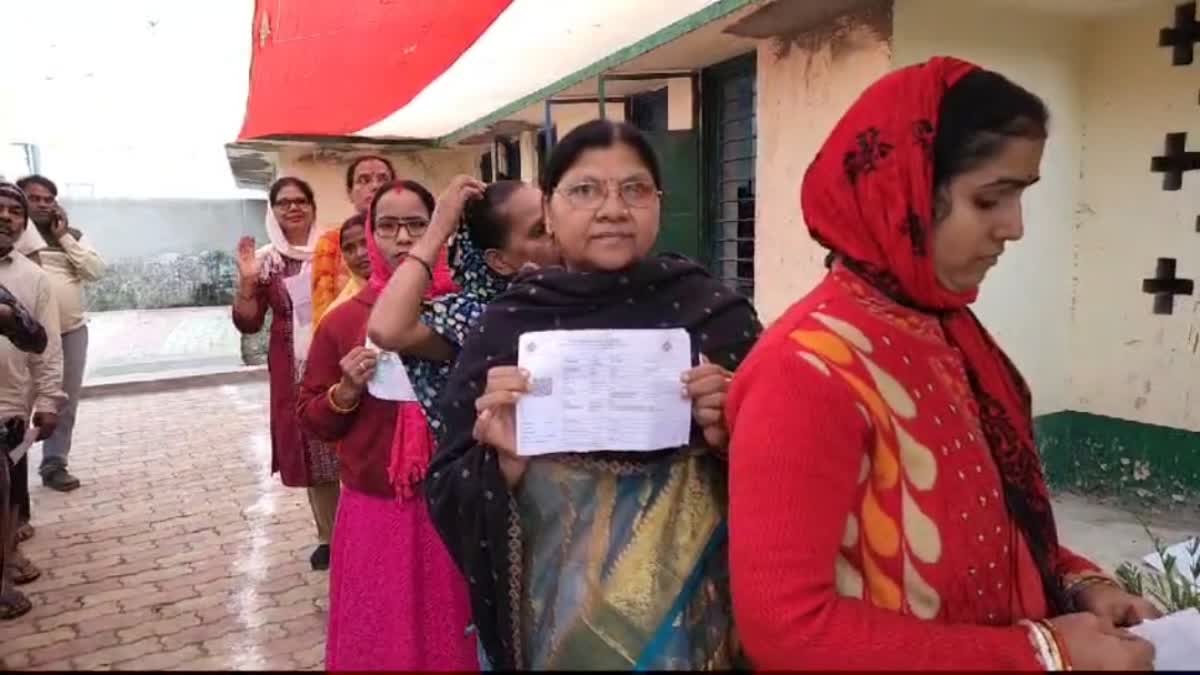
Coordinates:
x,y
23,571
14,605
24,533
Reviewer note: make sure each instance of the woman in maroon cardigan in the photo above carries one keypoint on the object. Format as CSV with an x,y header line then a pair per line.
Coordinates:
x,y
274,279
396,600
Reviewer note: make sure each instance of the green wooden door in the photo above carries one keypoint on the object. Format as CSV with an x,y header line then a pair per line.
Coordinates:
x,y
679,154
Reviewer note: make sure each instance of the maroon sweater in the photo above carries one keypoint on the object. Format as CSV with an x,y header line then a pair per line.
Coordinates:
x,y
364,436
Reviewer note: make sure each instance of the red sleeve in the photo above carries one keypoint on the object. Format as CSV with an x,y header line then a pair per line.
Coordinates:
x,y
1070,562
322,371
797,444
249,325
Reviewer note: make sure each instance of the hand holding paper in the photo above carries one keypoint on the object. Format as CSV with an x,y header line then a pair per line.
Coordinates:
x,y
706,385
1176,639
495,424
390,379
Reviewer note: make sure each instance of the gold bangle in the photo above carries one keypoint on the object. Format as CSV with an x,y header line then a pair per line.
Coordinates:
x,y
1084,581
337,408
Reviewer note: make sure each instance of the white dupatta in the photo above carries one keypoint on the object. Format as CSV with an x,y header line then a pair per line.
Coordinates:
x,y
299,286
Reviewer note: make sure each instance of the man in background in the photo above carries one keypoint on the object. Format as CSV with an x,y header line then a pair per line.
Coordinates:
x,y
23,332
28,381
70,264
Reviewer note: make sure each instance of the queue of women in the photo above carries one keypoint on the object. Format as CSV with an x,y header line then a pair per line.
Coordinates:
x,y
861,490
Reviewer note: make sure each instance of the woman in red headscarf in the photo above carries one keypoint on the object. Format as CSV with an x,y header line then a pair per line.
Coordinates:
x,y
887,503
397,602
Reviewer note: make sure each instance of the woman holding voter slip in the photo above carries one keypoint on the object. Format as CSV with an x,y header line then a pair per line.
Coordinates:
x,y
576,558
396,600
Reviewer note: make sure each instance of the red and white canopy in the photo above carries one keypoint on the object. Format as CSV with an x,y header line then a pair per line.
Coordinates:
x,y
434,69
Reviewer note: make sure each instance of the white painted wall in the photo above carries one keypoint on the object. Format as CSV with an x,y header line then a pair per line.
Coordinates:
x,y
802,93
1128,362
1027,300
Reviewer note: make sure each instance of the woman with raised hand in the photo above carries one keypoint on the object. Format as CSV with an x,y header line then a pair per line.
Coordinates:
x,y
277,277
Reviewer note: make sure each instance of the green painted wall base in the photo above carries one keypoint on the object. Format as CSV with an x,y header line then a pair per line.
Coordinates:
x,y
1105,455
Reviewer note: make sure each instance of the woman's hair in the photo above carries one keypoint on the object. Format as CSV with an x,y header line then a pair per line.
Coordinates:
x,y
979,113
356,220
359,160
486,225
295,182
597,134
412,186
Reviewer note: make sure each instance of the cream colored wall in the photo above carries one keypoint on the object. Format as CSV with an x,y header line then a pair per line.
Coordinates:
x,y
802,93
1129,362
680,108
431,168
568,116
1027,300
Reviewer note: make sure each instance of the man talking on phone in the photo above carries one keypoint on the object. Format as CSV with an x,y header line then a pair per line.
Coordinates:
x,y
70,263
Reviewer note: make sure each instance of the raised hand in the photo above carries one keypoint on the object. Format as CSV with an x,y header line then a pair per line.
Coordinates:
x,y
247,261
452,202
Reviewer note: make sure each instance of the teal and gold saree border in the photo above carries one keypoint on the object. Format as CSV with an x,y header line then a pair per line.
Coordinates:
x,y
643,542
1103,455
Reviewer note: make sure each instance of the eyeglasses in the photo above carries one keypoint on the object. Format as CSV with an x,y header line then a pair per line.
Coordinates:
x,y
389,228
288,204
591,194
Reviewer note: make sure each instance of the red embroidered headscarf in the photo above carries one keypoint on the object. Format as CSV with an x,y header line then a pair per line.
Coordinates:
x,y
869,197
412,441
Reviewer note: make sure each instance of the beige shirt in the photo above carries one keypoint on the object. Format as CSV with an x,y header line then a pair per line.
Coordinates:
x,y
30,381
69,269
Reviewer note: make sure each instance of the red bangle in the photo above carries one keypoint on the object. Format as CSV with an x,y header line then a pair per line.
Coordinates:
x,y
1058,643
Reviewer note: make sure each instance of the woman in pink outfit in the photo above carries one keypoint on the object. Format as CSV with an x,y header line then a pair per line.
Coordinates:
x,y
397,602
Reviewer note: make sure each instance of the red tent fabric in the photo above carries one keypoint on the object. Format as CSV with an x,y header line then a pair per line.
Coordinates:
x,y
334,67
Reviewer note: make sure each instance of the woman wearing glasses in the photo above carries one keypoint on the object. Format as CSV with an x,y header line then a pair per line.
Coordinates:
x,y
396,600
278,277
594,561
498,230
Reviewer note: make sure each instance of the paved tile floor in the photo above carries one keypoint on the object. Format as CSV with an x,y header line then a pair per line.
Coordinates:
x,y
179,551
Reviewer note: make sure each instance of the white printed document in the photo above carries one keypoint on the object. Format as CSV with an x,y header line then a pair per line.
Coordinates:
x,y
31,433
390,381
299,289
598,390
1176,640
